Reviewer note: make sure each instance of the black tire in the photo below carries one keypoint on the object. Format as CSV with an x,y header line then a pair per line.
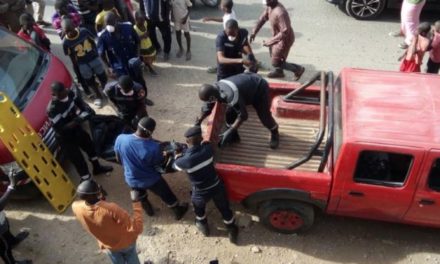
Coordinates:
x,y
365,9
341,6
286,216
211,3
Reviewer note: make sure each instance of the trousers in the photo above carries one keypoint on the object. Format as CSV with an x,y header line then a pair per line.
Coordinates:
x,y
433,67
261,106
165,31
163,190
40,10
124,256
72,144
218,195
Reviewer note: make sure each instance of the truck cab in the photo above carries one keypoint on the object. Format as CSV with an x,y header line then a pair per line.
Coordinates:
x,y
364,145
387,164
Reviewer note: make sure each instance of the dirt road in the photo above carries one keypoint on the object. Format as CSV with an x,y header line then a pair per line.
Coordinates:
x,y
60,239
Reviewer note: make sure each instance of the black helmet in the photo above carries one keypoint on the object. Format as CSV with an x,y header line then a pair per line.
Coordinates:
x,y
88,187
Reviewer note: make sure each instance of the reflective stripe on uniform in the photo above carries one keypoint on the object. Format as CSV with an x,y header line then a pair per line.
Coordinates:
x,y
228,222
234,90
200,218
64,114
200,165
207,188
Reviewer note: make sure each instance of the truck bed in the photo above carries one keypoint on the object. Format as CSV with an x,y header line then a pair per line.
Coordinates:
x,y
296,139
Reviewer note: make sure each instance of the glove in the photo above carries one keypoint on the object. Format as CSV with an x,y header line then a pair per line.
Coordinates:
x,y
226,136
137,195
198,121
12,179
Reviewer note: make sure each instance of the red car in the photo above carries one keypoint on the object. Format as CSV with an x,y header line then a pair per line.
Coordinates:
x,y
366,145
26,73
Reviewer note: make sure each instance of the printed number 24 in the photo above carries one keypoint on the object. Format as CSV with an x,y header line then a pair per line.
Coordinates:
x,y
81,50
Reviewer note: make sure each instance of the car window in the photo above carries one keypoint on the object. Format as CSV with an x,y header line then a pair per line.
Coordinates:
x,y
382,168
434,176
19,61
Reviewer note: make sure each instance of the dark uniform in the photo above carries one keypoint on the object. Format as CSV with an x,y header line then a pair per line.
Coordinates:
x,y
233,50
130,107
241,90
198,163
72,139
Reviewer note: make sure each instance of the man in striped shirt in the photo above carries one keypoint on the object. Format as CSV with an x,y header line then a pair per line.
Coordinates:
x,y
66,111
198,163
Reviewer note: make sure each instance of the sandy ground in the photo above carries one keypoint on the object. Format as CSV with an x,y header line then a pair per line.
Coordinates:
x,y
326,39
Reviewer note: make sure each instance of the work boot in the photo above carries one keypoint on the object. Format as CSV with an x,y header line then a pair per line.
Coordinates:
x,y
276,73
148,208
203,227
274,139
19,238
148,102
100,169
232,232
299,74
179,210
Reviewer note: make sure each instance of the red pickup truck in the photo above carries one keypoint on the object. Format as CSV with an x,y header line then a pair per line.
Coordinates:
x,y
364,145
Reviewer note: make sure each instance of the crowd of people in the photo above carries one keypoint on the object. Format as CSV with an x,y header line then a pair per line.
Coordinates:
x,y
109,45
108,39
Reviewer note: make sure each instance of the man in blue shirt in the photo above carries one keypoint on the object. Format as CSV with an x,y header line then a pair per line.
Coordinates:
x,y
141,156
198,163
118,46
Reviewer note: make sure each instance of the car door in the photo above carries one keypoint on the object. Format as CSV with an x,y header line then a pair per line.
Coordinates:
x,y
425,208
381,183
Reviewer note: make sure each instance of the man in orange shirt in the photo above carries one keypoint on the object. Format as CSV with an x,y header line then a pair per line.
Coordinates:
x,y
111,225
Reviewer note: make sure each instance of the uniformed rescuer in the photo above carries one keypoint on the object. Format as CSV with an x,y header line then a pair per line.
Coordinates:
x,y
66,111
237,92
129,99
198,162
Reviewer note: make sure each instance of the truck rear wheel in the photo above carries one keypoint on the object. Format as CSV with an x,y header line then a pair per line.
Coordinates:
x,y
286,216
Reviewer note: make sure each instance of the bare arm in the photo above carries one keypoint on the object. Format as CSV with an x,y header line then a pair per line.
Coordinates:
x,y
261,21
223,60
213,19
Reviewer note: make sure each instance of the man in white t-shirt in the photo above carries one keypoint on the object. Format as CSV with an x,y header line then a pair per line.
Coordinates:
x,y
228,13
